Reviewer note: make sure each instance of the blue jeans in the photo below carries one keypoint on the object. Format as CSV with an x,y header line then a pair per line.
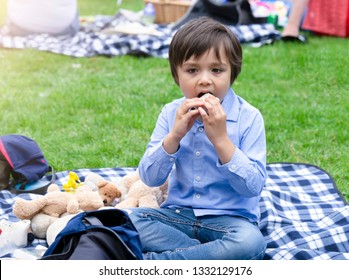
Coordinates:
x,y
176,234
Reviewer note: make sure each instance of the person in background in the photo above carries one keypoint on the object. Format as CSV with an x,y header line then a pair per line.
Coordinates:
x,y
211,146
291,30
54,17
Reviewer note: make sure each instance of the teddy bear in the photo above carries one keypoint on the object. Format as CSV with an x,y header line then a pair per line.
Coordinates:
x,y
56,202
41,222
56,227
141,195
109,191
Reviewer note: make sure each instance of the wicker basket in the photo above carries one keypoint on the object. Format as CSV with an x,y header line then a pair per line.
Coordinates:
x,y
168,11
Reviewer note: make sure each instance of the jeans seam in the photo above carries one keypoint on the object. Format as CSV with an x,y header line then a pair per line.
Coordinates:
x,y
260,255
146,214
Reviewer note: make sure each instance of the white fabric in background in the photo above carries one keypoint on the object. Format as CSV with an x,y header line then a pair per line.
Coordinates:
x,y
42,16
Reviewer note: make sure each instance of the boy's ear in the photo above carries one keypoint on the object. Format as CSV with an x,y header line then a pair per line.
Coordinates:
x,y
175,78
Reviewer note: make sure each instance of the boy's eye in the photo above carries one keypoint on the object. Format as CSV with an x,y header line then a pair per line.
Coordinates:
x,y
191,70
216,70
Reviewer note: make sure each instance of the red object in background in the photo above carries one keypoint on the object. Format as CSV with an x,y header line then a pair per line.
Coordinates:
x,y
328,17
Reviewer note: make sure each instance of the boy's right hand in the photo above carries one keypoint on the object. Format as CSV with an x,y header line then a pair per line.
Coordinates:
x,y
186,115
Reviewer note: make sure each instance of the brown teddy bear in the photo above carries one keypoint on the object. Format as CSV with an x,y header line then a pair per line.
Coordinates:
x,y
56,202
138,194
108,192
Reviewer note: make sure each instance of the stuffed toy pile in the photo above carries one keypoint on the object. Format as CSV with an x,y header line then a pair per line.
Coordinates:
x,y
49,214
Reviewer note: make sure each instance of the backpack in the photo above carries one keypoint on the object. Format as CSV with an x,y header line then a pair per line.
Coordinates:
x,y
230,12
22,165
106,234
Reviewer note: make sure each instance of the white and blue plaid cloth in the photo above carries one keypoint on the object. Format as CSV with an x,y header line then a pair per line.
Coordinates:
x,y
97,38
303,215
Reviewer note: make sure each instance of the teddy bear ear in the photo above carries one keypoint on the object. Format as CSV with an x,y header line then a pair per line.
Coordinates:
x,y
101,184
131,178
53,188
118,193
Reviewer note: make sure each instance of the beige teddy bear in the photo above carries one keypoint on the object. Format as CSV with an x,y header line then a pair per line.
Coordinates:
x,y
56,202
41,222
139,194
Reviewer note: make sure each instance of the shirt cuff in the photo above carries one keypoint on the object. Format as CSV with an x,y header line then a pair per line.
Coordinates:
x,y
250,183
162,158
238,164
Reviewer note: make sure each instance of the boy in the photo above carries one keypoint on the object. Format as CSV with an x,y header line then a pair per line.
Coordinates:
x,y
213,151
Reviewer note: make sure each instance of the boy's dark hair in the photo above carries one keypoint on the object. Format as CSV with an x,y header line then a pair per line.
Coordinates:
x,y
200,35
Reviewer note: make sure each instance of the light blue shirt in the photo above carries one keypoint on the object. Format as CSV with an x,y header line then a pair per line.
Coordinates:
x,y
197,179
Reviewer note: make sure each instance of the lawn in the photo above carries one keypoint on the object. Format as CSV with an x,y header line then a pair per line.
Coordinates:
x,y
99,112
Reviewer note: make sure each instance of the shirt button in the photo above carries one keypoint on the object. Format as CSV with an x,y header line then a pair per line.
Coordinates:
x,y
197,153
178,211
197,178
197,196
233,167
171,159
201,129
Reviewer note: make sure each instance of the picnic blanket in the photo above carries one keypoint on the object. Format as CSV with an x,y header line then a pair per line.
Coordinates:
x,y
303,215
122,34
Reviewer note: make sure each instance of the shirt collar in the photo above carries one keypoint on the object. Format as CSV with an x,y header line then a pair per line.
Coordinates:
x,y
231,106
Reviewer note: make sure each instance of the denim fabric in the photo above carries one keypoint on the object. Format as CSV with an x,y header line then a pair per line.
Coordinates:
x,y
178,234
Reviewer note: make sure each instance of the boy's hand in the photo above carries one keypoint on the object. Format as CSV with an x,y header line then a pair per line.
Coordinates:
x,y
186,115
214,120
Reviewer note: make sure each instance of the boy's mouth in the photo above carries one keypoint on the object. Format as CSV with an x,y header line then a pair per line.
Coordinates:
x,y
201,94
205,94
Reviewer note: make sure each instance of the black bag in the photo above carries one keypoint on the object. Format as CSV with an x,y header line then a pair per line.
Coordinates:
x,y
22,165
106,234
231,12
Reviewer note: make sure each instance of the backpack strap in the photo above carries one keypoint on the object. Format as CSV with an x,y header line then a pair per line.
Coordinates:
x,y
37,187
92,220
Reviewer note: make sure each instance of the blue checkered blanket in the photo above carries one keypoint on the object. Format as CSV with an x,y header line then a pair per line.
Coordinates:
x,y
303,215
115,36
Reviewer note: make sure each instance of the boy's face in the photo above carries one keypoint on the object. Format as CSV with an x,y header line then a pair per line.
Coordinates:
x,y
203,74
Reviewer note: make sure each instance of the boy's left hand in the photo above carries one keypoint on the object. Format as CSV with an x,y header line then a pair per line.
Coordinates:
x,y
214,119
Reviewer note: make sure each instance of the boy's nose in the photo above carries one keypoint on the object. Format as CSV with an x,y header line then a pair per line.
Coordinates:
x,y
205,79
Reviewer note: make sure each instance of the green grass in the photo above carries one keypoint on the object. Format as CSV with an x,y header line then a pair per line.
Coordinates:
x,y
100,112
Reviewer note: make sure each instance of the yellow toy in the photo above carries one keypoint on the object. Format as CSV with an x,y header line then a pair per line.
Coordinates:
x,y
73,183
